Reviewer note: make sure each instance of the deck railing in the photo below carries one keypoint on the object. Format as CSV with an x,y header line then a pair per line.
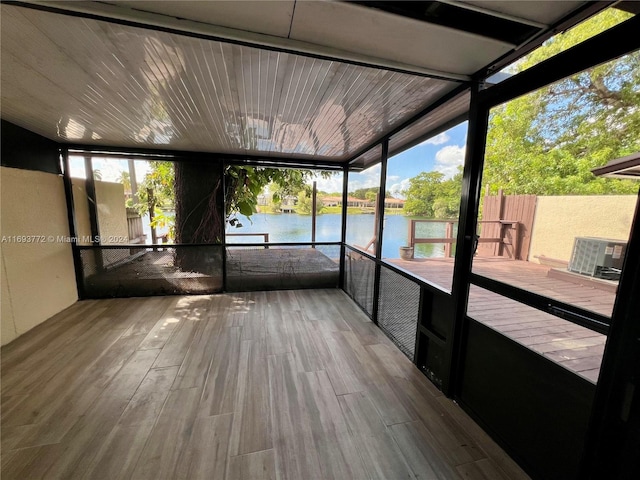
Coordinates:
x,y
508,235
263,235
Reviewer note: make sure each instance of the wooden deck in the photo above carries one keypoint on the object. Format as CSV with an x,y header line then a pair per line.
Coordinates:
x,y
287,385
576,348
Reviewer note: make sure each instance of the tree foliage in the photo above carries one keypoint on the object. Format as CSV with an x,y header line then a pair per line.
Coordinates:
x,y
160,181
244,184
305,203
547,142
431,195
368,193
125,180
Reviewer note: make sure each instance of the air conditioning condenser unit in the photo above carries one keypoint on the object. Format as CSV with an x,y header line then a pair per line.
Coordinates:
x,y
598,257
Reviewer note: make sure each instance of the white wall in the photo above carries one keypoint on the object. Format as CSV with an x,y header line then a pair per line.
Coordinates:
x,y
38,279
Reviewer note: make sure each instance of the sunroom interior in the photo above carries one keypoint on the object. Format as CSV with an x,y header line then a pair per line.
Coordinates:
x,y
228,354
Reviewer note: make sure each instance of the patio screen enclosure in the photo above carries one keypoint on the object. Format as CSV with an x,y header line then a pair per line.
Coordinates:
x,y
492,377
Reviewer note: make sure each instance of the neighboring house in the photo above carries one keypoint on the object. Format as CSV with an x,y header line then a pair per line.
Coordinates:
x,y
391,202
358,202
331,201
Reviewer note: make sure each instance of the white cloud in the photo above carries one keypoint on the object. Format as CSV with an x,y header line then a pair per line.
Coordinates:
x,y
110,169
448,159
365,179
437,140
397,188
331,184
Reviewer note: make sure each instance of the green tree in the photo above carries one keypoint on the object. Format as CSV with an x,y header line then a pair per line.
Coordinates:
x,y
157,187
125,180
422,193
371,195
305,203
447,202
365,193
244,184
173,183
548,141
430,195
156,191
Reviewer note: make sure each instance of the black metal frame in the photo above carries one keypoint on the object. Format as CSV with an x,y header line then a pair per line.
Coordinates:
x,y
612,43
88,151
71,218
467,227
619,372
534,408
138,153
380,227
582,56
613,439
585,55
607,436
224,230
587,10
92,200
343,232
27,150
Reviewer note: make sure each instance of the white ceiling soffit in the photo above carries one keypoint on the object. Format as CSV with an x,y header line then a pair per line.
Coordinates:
x,y
545,12
261,23
86,81
350,31
270,18
377,33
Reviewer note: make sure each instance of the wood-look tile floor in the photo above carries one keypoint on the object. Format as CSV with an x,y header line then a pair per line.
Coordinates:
x,y
290,385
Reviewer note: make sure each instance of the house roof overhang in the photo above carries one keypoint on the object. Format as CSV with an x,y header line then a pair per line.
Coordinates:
x,y
626,167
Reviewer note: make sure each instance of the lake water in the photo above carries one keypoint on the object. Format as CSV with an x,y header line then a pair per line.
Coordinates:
x,y
360,229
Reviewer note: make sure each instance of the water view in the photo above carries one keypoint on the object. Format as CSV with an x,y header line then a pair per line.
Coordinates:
x,y
360,230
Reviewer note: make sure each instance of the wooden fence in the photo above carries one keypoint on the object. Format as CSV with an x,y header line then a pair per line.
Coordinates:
x,y
500,210
134,226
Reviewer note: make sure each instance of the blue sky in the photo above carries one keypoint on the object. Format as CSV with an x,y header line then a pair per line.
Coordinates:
x,y
443,153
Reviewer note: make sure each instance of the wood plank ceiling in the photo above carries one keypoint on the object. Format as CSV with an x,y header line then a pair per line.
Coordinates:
x,y
247,78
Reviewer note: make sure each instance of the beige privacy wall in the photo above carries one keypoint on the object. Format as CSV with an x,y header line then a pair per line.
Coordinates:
x,y
112,219
558,220
38,279
112,212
